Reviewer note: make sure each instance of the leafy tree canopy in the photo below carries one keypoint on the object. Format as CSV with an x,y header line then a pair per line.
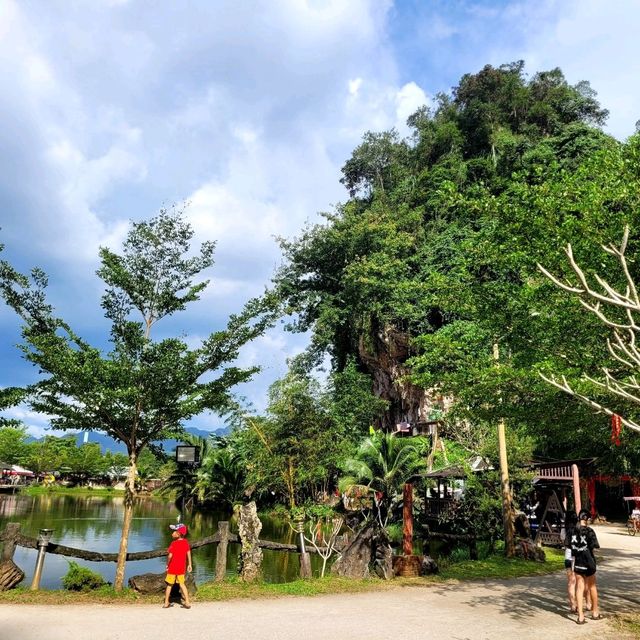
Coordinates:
x,y
142,390
432,260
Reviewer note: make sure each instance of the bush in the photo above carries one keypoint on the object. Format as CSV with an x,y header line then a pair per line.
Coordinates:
x,y
81,579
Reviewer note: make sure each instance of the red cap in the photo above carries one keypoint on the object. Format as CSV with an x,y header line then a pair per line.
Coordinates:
x,y
180,528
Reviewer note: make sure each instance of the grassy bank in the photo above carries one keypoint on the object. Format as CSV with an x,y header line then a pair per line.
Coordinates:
x,y
628,623
40,490
493,567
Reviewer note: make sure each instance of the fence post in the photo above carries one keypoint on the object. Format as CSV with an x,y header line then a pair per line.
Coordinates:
x,y
305,560
221,551
43,543
10,539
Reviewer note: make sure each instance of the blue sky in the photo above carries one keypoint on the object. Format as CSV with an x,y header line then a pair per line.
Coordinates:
x,y
111,108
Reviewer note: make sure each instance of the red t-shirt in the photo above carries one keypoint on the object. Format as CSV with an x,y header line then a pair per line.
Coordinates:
x,y
178,563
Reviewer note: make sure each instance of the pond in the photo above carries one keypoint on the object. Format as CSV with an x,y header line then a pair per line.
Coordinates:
x,y
94,523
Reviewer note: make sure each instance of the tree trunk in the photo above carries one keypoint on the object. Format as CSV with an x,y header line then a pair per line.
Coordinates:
x,y
129,496
407,519
249,527
289,483
384,355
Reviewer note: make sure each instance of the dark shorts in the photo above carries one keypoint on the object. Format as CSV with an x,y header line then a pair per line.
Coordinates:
x,y
584,572
568,564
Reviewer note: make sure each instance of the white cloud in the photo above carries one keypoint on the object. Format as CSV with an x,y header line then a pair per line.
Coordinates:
x,y
37,424
409,99
247,110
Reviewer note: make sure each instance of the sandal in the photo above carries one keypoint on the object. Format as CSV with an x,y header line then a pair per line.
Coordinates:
x,y
583,621
186,606
598,617
166,606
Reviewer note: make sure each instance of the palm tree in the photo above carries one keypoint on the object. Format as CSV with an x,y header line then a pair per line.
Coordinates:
x,y
221,477
382,464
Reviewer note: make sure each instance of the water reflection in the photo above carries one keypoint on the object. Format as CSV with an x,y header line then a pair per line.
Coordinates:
x,y
93,523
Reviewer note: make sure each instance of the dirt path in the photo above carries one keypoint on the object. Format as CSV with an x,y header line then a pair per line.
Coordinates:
x,y
523,608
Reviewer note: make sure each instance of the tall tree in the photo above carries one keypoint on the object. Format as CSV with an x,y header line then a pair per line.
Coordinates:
x,y
13,444
142,390
409,252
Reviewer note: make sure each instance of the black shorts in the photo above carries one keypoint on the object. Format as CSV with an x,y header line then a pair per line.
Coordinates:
x,y
568,564
584,572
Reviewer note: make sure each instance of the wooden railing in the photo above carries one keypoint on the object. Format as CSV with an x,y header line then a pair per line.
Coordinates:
x,y
434,507
11,537
558,472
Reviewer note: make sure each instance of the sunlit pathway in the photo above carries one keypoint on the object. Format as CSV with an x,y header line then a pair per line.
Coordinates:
x,y
525,608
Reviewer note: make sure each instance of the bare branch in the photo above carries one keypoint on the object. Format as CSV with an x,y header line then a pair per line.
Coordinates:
x,y
595,309
559,283
564,386
613,387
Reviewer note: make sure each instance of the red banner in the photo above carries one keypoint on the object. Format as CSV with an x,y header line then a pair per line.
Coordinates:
x,y
616,429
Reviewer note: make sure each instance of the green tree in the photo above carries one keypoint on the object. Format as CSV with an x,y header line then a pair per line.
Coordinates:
x,y
437,235
142,390
293,444
9,396
295,450
382,464
13,444
50,453
181,479
85,461
149,464
221,477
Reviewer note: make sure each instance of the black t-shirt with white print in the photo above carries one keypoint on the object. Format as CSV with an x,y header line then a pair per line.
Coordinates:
x,y
582,541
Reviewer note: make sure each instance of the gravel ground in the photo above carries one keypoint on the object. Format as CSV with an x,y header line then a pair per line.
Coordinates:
x,y
524,608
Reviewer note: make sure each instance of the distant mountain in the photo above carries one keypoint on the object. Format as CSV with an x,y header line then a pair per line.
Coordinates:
x,y
109,444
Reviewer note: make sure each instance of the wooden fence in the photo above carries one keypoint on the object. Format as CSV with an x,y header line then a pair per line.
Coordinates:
x,y
11,537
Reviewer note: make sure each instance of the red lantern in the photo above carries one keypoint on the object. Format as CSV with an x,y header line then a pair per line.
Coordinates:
x,y
616,429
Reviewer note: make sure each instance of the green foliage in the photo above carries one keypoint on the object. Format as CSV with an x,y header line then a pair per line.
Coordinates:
x,y
13,444
222,475
142,390
382,464
50,453
433,260
294,452
352,405
80,578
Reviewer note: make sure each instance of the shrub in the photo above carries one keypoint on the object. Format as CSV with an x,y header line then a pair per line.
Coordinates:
x,y
81,579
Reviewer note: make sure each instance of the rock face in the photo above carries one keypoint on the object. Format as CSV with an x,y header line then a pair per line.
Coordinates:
x,y
150,583
249,527
368,551
11,575
384,353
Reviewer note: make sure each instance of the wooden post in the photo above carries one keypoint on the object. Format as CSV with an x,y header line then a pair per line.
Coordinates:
x,y
10,538
575,475
221,552
407,519
507,503
305,559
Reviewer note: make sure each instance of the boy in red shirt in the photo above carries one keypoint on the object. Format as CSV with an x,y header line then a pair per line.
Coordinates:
x,y
178,560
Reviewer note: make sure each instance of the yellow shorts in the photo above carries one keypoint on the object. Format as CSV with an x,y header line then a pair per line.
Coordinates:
x,y
172,579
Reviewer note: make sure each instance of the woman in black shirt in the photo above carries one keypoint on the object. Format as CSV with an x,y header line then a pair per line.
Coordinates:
x,y
582,541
